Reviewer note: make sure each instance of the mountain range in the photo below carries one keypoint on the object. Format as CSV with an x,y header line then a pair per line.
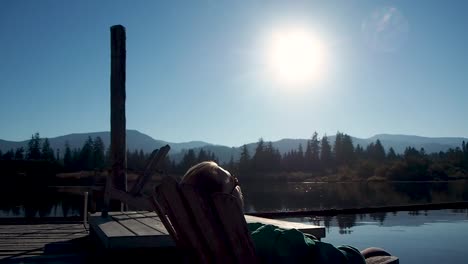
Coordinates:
x,y
137,140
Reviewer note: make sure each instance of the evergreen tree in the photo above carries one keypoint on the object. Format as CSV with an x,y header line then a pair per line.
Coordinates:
x,y
391,155
359,152
379,151
315,149
299,159
308,156
326,152
258,159
244,160
343,149
47,152
338,149
231,165
98,153
19,153
9,155
34,151
348,150
76,159
375,151
188,160
86,155
67,157
202,156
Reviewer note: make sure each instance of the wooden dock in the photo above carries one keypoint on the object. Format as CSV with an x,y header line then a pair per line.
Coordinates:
x,y
43,242
65,242
143,229
122,235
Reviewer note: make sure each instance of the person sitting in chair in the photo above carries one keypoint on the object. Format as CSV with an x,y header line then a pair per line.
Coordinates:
x,y
273,244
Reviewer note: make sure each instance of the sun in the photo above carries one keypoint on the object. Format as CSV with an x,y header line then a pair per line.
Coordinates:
x,y
295,56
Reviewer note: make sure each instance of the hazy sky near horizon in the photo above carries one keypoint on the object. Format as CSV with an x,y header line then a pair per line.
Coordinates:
x,y
203,70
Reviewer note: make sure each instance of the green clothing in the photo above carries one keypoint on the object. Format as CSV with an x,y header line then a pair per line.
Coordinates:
x,y
276,245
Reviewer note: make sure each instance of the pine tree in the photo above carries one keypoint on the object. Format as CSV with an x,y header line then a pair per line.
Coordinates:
x,y
67,157
9,155
348,150
379,151
315,152
47,152
19,153
34,151
98,153
299,159
86,155
244,160
258,157
202,156
391,154
188,160
326,153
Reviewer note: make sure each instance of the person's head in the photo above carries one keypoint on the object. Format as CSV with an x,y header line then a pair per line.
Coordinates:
x,y
209,177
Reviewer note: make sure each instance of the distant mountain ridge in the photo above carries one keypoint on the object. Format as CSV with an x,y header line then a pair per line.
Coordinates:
x,y
137,140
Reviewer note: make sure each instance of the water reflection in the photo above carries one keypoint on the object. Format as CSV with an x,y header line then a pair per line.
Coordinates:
x,y
435,236
317,196
40,202
346,222
51,202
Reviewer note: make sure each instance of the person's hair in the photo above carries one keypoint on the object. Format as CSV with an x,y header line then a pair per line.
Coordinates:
x,y
209,177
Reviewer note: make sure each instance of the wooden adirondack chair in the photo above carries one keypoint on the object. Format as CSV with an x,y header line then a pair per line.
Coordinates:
x,y
207,228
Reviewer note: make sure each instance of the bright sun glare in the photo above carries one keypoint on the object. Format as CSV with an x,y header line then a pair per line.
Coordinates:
x,y
295,56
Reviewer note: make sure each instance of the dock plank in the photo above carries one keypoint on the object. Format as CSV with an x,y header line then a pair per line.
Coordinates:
x,y
33,243
151,221
122,231
144,229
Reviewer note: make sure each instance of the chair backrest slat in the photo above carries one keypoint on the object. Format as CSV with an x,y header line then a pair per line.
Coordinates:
x,y
206,220
212,226
181,219
235,226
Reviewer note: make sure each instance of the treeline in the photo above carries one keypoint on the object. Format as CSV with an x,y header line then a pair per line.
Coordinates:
x,y
338,160
92,156
344,161
89,157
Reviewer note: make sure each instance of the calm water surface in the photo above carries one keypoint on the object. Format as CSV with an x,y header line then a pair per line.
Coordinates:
x,y
438,236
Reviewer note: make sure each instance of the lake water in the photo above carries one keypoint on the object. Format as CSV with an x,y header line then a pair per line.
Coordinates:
x,y
316,196
437,236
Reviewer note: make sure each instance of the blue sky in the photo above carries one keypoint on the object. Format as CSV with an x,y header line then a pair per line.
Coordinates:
x,y
196,70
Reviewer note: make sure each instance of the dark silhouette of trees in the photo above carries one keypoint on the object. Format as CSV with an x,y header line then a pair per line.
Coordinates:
x,y
343,149
47,153
375,151
391,155
9,155
326,157
340,160
67,158
98,153
244,160
34,151
86,155
19,153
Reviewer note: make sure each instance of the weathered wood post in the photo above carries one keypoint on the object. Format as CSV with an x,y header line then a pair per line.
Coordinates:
x,y
118,143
